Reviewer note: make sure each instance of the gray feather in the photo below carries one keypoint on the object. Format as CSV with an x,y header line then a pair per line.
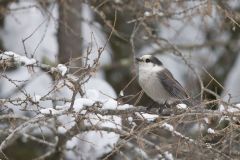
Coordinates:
x,y
172,86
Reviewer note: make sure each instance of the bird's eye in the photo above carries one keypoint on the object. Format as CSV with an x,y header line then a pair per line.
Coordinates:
x,y
147,60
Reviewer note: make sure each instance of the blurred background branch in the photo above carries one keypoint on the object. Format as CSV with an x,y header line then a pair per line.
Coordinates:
x,y
68,89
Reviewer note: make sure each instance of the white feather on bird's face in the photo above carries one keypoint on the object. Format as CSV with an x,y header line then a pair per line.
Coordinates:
x,y
148,63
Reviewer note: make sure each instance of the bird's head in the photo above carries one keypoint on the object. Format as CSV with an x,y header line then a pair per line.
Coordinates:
x,y
149,63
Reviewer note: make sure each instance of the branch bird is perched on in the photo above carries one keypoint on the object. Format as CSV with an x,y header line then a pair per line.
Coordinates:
x,y
158,82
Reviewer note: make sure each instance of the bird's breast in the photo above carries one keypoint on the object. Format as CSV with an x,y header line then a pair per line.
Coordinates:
x,y
152,86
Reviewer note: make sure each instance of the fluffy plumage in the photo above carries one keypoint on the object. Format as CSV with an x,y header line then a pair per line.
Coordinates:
x,y
158,82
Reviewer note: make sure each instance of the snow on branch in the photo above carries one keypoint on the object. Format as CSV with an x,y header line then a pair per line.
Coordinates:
x,y
10,58
74,115
16,58
96,117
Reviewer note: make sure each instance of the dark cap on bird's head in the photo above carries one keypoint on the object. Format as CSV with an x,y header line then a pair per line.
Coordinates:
x,y
149,59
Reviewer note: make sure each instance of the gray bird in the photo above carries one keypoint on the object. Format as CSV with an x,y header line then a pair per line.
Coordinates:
x,y
158,82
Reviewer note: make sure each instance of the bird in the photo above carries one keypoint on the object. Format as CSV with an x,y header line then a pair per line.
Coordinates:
x,y
158,82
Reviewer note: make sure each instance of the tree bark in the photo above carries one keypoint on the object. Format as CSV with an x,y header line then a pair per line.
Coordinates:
x,y
69,33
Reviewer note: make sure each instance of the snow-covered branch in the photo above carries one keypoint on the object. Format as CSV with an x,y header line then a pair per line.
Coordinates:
x,y
65,62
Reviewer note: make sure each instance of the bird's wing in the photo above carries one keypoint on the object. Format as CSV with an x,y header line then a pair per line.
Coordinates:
x,y
173,87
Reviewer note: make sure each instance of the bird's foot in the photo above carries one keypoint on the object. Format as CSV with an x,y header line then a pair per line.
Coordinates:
x,y
163,107
152,105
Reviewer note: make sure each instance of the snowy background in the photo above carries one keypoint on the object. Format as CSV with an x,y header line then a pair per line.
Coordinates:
x,y
196,38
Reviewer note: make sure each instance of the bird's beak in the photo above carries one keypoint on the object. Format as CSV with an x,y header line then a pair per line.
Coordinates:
x,y
138,59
